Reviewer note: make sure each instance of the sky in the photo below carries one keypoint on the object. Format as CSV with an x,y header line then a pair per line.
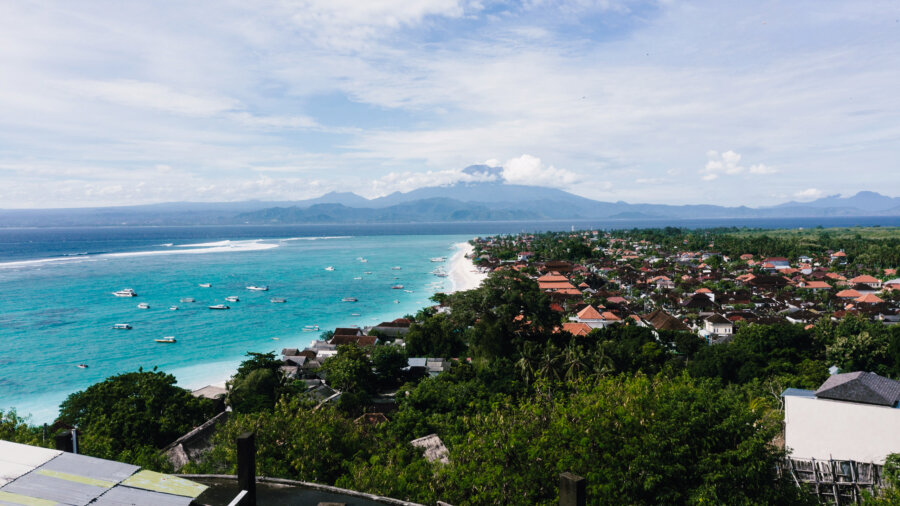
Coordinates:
x,y
664,101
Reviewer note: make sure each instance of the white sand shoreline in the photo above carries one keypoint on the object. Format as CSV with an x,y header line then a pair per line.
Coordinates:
x,y
463,273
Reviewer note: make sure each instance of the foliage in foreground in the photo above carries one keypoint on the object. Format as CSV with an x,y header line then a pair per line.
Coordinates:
x,y
129,416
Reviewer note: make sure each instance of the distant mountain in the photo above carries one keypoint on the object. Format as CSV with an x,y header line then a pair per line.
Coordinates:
x,y
867,201
488,200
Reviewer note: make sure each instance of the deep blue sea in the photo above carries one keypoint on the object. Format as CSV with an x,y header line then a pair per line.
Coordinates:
x,y
57,309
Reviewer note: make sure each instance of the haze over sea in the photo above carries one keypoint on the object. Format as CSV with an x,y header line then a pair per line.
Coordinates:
x,y
57,309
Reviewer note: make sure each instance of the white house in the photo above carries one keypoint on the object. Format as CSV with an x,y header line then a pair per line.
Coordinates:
x,y
718,325
852,416
594,319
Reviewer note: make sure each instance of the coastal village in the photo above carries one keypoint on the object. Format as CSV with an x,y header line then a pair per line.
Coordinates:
x,y
591,282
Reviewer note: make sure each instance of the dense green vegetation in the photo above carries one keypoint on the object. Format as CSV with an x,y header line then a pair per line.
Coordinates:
x,y
129,416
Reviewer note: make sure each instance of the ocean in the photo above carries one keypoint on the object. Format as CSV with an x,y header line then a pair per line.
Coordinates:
x,y
57,309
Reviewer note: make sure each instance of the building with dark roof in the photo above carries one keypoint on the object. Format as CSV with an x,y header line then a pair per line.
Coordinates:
x,y
851,416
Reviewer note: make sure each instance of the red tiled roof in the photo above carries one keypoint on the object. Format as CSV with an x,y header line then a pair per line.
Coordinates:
x,y
589,313
577,329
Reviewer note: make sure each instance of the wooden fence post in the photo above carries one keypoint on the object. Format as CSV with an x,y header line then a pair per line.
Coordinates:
x,y
572,490
246,456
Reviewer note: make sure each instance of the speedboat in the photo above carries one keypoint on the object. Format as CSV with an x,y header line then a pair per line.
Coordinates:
x,y
232,298
329,268
219,306
396,302
82,366
355,314
397,287
396,268
143,305
277,300
205,285
349,299
310,328
187,299
358,278
169,339
408,291
122,326
368,272
125,292
173,308
258,288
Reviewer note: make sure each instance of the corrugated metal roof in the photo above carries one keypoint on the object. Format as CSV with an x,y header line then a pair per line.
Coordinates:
x,y
23,454
33,476
127,496
149,480
91,467
54,489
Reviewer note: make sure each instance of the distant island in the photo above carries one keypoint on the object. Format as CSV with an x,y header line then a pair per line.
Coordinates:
x,y
494,200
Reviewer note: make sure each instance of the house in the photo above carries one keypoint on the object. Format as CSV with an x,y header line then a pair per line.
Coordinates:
x,y
718,325
577,329
848,294
815,286
839,257
595,319
852,416
778,263
660,320
865,279
524,256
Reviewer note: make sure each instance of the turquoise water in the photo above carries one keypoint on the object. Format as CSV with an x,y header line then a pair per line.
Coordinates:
x,y
58,313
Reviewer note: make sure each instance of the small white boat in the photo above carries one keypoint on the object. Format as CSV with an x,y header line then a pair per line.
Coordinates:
x,y
125,292
232,298
349,299
255,288
441,274
219,306
361,260
329,268
310,328
205,285
82,366
397,287
438,259
368,272
277,300
168,339
358,278
173,308
408,291
143,305
396,302
396,268
122,326
187,299
355,314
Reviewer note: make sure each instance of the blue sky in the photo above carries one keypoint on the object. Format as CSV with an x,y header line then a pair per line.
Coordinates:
x,y
753,103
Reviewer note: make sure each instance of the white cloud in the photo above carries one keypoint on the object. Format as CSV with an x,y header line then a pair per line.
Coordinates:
x,y
529,170
808,194
729,163
147,95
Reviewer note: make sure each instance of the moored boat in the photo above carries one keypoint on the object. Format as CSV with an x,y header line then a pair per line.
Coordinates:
x,y
121,326
397,287
187,299
205,285
125,292
277,300
82,366
173,308
349,299
232,298
168,339
255,288
310,328
219,306
143,305
329,268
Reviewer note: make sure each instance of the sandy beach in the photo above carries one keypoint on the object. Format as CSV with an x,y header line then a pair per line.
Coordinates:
x,y
463,274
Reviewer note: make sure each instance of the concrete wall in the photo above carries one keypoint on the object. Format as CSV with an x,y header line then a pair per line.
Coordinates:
x,y
822,429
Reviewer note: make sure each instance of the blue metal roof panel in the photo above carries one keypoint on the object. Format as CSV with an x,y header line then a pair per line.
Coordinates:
x,y
91,467
40,486
127,496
